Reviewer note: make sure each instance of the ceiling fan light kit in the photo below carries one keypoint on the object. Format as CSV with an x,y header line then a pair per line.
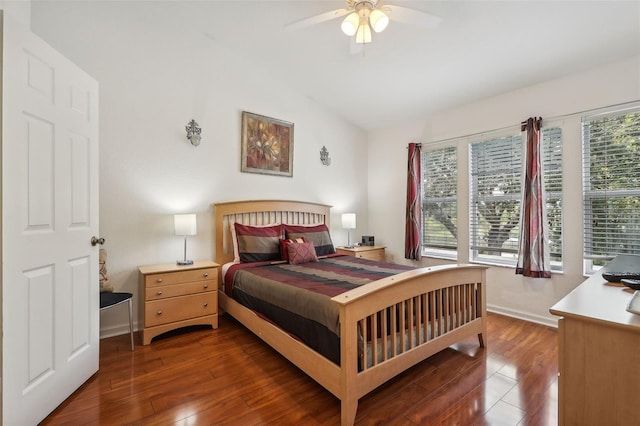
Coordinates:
x,y
364,17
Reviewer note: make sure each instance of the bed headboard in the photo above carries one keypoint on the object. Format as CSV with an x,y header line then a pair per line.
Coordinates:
x,y
261,212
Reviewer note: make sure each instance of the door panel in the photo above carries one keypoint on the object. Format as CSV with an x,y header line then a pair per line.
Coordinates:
x,y
50,286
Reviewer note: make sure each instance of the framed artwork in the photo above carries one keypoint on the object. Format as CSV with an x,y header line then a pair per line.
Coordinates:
x,y
267,145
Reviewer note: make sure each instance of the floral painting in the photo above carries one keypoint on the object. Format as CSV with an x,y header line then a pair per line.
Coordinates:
x,y
267,145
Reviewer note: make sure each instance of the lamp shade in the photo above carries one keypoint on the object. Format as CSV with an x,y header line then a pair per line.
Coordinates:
x,y
185,224
349,220
379,20
350,24
363,35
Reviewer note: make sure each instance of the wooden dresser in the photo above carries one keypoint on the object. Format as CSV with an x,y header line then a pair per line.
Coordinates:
x,y
177,296
364,252
599,352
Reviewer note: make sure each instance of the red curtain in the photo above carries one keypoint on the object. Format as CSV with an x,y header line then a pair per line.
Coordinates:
x,y
533,256
413,223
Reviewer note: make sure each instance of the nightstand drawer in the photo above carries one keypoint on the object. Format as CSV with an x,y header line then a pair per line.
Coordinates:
x,y
165,291
364,252
168,278
372,255
180,308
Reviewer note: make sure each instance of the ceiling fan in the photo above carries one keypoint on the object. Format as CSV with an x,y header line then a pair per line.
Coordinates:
x,y
366,15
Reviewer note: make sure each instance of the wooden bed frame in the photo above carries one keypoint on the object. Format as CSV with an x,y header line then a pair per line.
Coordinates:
x,y
436,307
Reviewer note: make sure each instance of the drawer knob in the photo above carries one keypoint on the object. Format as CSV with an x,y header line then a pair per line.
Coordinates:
x,y
206,286
206,274
206,304
159,280
159,293
159,313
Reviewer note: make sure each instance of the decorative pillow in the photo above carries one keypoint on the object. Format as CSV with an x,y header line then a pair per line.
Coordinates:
x,y
258,243
104,281
301,253
234,238
284,253
317,234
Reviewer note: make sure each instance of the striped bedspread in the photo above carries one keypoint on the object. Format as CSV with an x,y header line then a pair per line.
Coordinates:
x,y
297,297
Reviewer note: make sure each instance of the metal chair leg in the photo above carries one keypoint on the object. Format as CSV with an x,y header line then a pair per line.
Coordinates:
x,y
131,323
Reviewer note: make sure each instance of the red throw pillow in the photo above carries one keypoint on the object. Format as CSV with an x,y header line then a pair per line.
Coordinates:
x,y
302,253
284,252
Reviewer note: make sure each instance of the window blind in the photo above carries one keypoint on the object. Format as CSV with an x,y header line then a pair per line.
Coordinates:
x,y
495,196
440,207
552,171
611,184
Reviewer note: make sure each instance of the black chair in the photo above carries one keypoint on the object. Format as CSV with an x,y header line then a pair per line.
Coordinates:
x,y
110,299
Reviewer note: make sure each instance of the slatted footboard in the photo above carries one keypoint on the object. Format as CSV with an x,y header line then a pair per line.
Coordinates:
x,y
397,322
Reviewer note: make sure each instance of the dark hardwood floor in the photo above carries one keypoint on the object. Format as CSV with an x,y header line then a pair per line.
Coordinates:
x,y
229,376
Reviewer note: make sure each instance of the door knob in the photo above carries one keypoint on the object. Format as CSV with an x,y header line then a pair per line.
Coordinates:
x,y
95,241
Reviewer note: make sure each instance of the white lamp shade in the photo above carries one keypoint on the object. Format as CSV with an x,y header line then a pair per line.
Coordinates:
x,y
350,24
349,220
379,20
185,224
363,35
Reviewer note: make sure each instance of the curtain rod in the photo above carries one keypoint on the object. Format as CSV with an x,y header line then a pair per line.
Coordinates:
x,y
557,117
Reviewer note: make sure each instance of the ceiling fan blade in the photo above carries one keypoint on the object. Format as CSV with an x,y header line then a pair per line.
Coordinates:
x,y
317,19
412,16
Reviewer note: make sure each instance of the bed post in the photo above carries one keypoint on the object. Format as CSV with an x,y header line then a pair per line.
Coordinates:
x,y
349,367
482,308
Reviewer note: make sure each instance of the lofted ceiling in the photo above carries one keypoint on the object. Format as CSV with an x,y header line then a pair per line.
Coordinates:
x,y
479,50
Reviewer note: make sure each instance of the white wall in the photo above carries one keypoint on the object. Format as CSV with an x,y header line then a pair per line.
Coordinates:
x,y
155,76
18,10
507,293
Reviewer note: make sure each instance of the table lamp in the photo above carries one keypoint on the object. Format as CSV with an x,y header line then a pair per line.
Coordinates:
x,y
349,223
185,224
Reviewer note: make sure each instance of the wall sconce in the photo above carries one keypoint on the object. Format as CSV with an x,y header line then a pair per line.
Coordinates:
x,y
324,156
193,132
185,224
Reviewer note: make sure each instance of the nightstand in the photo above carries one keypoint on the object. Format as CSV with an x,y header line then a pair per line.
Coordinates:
x,y
364,252
174,296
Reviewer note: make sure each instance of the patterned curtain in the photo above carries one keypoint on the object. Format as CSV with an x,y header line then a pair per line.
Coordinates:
x,y
533,256
413,224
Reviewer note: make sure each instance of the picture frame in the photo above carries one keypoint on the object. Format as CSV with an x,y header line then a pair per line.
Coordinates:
x,y
267,145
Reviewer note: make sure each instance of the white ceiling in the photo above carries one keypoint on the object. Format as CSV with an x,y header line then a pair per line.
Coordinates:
x,y
481,49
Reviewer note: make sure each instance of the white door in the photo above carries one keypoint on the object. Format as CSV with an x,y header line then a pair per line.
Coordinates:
x,y
50,302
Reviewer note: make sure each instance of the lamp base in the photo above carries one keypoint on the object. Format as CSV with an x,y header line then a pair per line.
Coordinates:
x,y
185,262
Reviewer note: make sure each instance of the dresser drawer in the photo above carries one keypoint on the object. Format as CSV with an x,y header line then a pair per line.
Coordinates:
x,y
180,308
168,278
165,291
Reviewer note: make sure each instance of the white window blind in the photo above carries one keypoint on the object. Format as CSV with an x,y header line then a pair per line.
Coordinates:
x,y
552,171
495,193
611,185
440,207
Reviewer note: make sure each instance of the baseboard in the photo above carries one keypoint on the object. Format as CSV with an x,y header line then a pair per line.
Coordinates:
x,y
526,316
116,330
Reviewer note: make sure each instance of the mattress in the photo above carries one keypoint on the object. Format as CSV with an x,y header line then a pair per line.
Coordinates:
x,y
297,298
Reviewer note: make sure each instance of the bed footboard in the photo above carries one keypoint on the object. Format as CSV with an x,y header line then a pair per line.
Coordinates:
x,y
394,323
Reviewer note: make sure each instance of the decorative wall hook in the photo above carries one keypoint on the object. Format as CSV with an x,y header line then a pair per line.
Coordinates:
x,y
193,132
324,156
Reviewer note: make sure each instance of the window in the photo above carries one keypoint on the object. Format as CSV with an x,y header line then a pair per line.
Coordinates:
x,y
611,186
496,195
496,169
439,203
